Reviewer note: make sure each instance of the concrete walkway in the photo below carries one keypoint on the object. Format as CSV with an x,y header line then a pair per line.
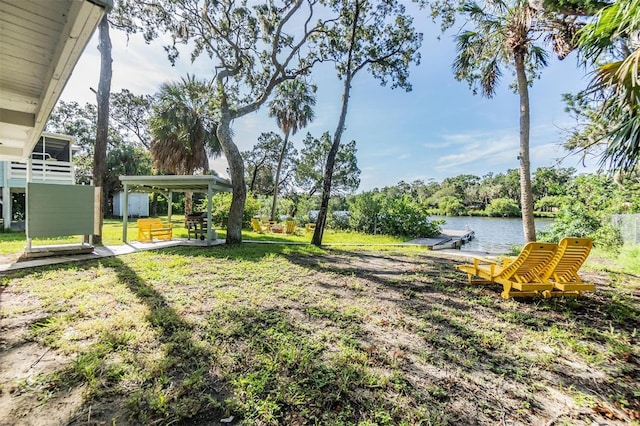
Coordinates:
x,y
13,263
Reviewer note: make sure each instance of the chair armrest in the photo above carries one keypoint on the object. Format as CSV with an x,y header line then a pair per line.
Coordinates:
x,y
477,261
506,261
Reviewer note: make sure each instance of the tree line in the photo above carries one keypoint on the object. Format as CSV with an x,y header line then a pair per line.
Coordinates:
x,y
581,205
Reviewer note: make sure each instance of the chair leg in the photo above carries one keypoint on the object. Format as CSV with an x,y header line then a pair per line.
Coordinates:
x,y
506,290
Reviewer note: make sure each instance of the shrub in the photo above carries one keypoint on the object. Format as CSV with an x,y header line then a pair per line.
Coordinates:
x,y
339,219
221,203
550,203
374,212
451,206
575,220
503,207
363,213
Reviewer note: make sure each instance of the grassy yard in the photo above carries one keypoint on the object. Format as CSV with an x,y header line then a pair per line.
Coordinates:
x,y
293,334
14,242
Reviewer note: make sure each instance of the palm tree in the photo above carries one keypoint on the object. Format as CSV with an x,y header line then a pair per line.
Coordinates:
x,y
183,130
504,36
293,110
615,33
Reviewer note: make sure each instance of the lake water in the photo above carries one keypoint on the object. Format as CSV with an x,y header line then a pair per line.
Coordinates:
x,y
492,234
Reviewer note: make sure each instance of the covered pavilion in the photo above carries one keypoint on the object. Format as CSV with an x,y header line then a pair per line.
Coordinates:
x,y
167,185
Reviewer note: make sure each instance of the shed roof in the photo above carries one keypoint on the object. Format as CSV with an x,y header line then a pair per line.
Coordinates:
x,y
176,183
40,44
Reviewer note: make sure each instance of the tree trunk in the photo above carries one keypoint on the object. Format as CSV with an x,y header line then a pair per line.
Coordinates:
x,y
154,204
277,182
331,160
102,132
337,137
236,171
526,193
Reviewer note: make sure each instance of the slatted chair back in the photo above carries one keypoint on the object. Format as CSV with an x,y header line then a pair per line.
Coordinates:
x,y
256,225
527,267
571,255
291,227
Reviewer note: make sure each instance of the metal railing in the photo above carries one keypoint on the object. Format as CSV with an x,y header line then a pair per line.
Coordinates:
x,y
44,171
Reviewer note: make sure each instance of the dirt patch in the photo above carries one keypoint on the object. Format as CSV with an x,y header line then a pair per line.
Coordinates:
x,y
23,364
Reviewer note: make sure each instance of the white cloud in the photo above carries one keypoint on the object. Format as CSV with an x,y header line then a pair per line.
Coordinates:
x,y
480,148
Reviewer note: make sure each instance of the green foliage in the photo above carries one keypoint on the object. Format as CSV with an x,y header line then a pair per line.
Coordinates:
x,y
596,191
339,219
293,110
503,207
261,163
608,237
551,181
576,220
183,127
451,206
125,160
304,203
374,212
575,7
364,210
610,39
550,203
221,203
311,166
629,258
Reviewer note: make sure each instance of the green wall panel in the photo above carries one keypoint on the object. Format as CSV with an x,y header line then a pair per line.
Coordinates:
x,y
59,210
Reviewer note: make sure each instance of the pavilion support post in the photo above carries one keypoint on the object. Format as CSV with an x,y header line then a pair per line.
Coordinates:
x,y
169,205
6,205
125,213
209,218
26,196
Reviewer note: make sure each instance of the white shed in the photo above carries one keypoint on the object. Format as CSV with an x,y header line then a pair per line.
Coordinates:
x,y
138,204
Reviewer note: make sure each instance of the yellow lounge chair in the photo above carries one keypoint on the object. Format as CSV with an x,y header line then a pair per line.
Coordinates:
x,y
522,273
290,227
562,269
257,226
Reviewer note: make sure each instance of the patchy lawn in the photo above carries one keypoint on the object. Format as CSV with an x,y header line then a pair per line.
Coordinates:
x,y
274,334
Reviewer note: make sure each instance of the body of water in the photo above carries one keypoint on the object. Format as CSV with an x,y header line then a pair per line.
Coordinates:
x,y
493,234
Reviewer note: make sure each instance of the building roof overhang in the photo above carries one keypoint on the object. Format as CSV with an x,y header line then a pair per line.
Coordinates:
x,y
40,44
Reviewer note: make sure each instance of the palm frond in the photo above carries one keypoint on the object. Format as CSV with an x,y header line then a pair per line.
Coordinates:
x,y
293,105
183,128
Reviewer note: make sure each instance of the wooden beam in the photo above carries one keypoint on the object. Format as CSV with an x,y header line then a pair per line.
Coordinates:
x,y
17,118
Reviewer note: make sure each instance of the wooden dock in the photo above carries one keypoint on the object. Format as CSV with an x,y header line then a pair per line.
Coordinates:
x,y
449,238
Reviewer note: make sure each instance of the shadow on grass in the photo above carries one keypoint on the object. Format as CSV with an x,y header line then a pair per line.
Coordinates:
x,y
176,386
601,328
423,346
258,364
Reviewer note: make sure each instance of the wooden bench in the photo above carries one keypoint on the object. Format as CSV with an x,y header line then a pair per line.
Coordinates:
x,y
151,228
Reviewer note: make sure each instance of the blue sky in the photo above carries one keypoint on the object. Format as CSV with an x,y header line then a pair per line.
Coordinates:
x,y
438,130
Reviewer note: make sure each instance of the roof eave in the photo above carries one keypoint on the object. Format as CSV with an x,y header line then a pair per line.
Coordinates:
x,y
84,17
